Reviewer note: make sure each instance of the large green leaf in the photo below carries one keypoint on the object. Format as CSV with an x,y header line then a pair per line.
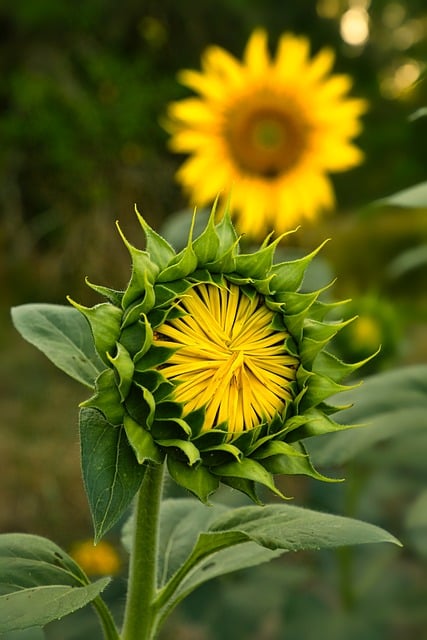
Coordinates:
x,y
111,473
63,335
232,539
33,633
413,197
28,561
39,582
390,405
41,605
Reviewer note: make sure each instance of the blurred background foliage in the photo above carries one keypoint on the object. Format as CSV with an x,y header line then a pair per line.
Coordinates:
x,y
83,89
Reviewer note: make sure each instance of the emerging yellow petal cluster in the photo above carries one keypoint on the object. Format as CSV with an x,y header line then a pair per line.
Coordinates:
x,y
229,358
268,130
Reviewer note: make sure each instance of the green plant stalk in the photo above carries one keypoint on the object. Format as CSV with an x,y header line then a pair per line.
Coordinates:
x,y
140,618
107,622
345,555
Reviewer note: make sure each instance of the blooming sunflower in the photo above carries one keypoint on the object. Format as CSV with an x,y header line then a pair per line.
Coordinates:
x,y
215,362
269,130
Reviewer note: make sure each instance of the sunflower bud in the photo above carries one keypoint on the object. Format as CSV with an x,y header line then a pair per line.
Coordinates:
x,y
215,362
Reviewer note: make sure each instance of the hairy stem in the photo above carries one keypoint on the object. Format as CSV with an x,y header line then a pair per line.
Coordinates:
x,y
140,619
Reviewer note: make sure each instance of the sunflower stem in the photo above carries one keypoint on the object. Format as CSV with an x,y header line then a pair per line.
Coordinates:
x,y
108,627
140,614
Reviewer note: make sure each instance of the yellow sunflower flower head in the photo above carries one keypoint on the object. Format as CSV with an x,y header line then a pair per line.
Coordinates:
x,y
270,131
215,361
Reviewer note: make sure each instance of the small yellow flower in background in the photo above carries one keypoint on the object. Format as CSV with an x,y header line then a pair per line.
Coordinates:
x,y
270,131
96,560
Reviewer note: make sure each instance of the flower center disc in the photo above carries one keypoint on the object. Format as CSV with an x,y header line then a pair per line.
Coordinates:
x,y
264,136
229,359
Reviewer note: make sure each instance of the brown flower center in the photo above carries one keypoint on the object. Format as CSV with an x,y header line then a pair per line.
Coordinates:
x,y
266,135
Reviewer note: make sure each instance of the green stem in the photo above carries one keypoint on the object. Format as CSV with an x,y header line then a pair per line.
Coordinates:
x,y
140,619
107,622
355,483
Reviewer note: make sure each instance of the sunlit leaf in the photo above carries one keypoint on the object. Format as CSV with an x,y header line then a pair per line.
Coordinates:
x,y
39,582
63,335
40,605
246,536
414,197
111,473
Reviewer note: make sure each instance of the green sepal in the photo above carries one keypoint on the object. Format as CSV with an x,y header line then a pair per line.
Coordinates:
x,y
291,274
148,338
114,296
220,454
275,448
323,332
106,397
295,324
171,429
159,249
327,364
141,405
142,442
319,388
105,321
316,423
123,364
181,265
144,271
184,447
135,310
295,302
198,479
168,292
209,439
257,265
248,469
195,419
295,462
206,246
225,261
153,357
245,486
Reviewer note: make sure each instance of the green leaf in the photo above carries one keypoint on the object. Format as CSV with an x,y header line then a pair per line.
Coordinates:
x,y
412,258
142,442
63,335
391,405
198,480
39,582
32,633
105,320
243,537
28,561
111,472
416,523
413,198
41,605
291,528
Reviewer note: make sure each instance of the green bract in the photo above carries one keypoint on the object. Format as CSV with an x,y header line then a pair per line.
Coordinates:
x,y
132,392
